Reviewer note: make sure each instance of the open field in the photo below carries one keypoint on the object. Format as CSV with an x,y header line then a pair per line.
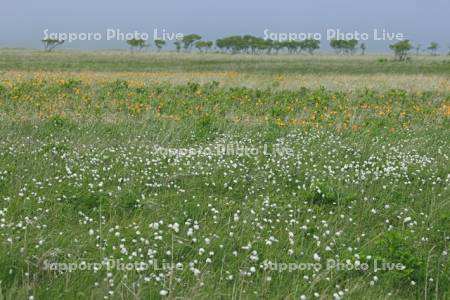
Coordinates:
x,y
345,82
113,61
213,176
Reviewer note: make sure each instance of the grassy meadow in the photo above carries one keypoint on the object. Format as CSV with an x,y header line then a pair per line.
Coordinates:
x,y
210,176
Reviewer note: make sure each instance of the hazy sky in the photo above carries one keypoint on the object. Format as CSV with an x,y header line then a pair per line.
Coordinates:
x,y
22,22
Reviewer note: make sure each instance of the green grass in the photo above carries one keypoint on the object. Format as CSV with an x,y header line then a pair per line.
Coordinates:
x,y
114,61
88,168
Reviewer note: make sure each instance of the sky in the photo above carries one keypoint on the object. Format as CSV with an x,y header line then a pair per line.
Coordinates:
x,y
23,22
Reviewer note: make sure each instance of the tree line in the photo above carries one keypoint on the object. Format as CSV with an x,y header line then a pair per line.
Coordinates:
x,y
248,44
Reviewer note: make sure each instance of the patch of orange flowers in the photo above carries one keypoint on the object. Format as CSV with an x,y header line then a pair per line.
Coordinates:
x,y
446,109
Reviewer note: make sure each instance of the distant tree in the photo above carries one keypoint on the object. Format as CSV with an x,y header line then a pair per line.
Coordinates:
x,y
203,46
418,46
209,45
351,46
137,44
267,45
189,40
50,44
240,44
178,45
235,44
345,46
401,49
310,45
363,48
433,48
199,45
262,46
245,44
221,44
248,42
255,44
336,45
292,46
159,44
277,45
